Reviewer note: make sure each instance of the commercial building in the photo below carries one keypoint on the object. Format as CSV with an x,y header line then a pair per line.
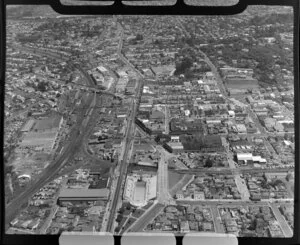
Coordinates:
x,y
245,158
175,144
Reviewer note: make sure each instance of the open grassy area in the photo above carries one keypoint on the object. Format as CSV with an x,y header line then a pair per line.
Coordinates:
x,y
183,181
174,178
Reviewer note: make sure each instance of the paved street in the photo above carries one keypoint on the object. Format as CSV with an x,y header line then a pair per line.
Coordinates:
x,y
287,231
162,180
128,140
146,218
219,228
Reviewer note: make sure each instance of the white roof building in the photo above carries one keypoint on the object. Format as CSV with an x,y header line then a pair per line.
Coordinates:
x,y
231,113
244,156
250,157
241,128
140,189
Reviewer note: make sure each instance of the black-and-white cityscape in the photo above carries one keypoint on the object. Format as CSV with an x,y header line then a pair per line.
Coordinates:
x,y
123,124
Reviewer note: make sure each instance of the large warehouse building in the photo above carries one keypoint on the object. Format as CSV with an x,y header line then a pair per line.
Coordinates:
x,y
41,135
82,195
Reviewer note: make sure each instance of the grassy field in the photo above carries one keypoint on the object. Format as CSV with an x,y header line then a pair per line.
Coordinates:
x,y
174,178
183,181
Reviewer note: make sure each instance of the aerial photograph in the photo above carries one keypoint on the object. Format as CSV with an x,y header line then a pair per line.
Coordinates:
x,y
175,124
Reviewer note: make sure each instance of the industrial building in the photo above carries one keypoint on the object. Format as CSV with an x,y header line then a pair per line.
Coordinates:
x,y
40,135
82,195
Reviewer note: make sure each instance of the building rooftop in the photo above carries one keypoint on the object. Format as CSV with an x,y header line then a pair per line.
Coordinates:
x,y
83,193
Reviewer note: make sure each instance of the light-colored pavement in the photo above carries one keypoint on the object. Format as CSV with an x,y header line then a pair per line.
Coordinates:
x,y
286,229
163,195
219,228
241,185
167,116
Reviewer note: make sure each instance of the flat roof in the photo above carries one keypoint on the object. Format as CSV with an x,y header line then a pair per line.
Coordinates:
x,y
84,193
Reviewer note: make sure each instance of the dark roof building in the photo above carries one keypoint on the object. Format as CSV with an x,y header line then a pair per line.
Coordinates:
x,y
69,195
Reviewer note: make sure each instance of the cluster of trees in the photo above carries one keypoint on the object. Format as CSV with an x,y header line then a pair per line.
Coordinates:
x,y
139,37
7,168
42,86
125,206
209,163
183,66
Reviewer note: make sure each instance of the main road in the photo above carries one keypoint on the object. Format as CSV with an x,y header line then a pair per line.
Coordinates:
x,y
123,164
128,140
146,218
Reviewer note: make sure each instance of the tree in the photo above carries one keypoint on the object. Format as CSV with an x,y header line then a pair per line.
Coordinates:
x,y
139,37
42,86
276,182
188,74
7,168
182,66
119,218
208,163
